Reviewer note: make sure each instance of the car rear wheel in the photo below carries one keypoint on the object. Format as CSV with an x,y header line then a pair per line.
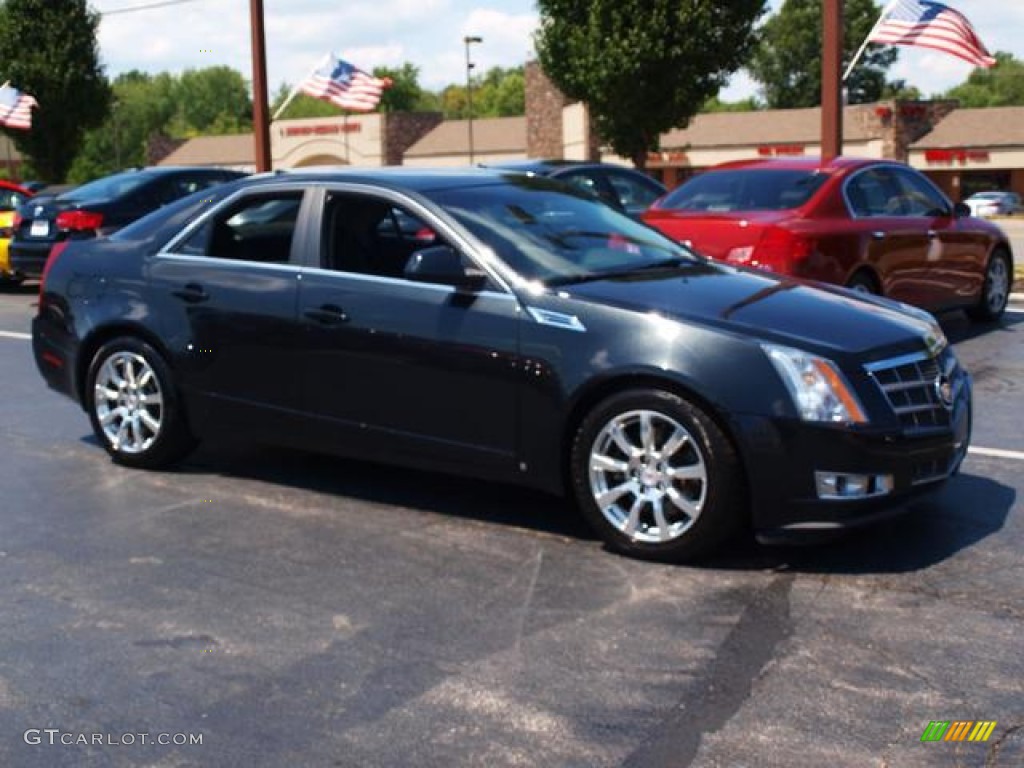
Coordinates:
x,y
134,407
656,477
995,291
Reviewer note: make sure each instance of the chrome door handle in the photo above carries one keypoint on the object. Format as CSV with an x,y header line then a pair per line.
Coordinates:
x,y
878,235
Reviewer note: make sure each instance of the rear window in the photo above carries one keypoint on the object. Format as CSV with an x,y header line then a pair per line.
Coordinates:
x,y
746,189
164,223
108,187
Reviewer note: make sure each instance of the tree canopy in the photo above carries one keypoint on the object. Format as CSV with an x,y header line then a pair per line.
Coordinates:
x,y
643,66
787,61
214,100
1000,86
49,50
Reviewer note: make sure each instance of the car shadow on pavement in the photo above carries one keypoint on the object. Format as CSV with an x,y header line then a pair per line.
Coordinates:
x,y
394,486
24,289
958,327
968,510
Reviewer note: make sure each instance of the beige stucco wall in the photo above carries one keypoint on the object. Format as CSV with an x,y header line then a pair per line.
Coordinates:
x,y
997,159
455,160
356,140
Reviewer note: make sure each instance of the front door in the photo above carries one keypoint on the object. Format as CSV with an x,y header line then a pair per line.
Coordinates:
x,y
402,366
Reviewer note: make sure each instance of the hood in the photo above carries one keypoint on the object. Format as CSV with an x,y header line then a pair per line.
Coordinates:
x,y
761,305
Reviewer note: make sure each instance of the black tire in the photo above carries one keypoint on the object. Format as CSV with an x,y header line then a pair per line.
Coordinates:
x,y
10,282
995,290
716,502
864,282
144,408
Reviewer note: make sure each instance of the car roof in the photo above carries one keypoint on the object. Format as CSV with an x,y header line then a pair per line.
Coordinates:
x,y
398,177
546,167
801,163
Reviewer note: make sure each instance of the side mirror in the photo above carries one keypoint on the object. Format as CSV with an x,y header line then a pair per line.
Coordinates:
x,y
442,264
961,210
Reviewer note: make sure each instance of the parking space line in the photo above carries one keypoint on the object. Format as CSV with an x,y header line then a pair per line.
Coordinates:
x,y
15,335
996,453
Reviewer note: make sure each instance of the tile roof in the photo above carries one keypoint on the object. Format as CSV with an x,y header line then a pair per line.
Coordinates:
x,y
990,127
791,126
490,135
232,149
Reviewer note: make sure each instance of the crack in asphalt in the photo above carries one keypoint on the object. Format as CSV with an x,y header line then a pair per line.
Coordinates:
x,y
749,647
991,759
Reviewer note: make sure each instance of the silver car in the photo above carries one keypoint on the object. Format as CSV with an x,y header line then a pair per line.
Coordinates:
x,y
994,204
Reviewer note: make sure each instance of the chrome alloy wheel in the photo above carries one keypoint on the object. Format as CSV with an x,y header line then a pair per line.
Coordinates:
x,y
648,476
128,402
998,284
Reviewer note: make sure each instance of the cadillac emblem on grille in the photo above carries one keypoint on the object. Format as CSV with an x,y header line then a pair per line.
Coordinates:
x,y
944,390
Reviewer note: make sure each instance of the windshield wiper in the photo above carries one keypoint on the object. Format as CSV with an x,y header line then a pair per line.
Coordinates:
x,y
587,277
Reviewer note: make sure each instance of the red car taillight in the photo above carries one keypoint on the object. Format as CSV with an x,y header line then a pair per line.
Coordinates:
x,y
17,222
79,221
51,259
779,250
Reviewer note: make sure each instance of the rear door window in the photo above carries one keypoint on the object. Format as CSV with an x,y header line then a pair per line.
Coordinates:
x,y
258,228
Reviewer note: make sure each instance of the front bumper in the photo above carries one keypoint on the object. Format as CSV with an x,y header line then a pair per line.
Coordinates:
x,y
782,458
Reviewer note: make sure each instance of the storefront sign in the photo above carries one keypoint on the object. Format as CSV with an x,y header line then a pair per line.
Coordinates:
x,y
955,156
321,130
780,150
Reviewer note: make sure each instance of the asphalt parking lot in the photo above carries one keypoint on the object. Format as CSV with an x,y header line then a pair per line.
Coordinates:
x,y
294,610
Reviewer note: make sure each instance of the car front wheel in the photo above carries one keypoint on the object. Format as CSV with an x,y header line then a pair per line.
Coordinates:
x,y
995,292
656,477
133,405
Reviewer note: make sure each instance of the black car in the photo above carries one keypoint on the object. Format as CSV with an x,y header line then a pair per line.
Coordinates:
x,y
622,188
101,207
536,337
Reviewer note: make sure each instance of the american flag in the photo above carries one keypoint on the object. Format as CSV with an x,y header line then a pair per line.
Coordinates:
x,y
930,25
340,83
16,108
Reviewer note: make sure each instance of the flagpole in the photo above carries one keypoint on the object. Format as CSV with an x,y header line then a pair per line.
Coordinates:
x,y
295,90
867,40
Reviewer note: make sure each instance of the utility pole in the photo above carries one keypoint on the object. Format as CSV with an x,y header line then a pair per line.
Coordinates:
x,y
831,80
468,40
260,123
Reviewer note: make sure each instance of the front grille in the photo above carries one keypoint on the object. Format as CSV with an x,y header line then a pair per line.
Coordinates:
x,y
910,386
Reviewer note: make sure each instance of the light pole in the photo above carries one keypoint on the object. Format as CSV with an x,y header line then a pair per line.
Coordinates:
x,y
469,40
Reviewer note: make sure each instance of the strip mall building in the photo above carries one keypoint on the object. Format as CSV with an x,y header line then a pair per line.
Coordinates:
x,y
963,150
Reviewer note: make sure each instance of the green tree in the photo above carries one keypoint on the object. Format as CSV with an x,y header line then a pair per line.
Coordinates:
x,y
49,50
1000,86
142,105
714,104
212,100
787,62
643,66
500,93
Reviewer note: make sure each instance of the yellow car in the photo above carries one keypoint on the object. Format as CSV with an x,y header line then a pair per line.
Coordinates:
x,y
11,196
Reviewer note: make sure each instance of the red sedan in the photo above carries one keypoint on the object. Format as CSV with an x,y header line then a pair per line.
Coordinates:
x,y
871,225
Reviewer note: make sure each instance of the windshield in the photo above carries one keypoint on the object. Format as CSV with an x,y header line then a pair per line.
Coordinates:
x,y
108,187
545,231
745,189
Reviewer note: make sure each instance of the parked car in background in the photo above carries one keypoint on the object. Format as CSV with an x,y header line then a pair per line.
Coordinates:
x,y
101,207
11,197
540,337
625,189
872,225
994,204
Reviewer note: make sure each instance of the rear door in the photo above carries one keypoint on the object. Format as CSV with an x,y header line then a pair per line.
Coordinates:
x,y
226,295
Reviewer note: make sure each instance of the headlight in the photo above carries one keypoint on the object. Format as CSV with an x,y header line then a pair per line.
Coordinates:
x,y
819,390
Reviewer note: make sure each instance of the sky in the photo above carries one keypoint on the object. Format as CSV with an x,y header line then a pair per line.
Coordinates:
x,y
174,36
